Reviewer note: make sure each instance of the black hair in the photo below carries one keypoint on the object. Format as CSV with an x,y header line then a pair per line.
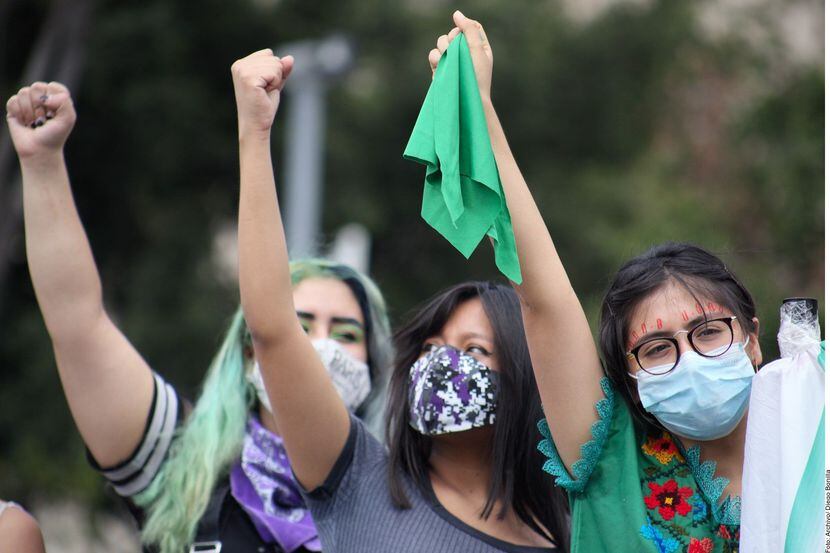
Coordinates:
x,y
517,479
699,271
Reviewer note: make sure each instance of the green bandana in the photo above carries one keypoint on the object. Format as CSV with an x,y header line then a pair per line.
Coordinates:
x,y
463,196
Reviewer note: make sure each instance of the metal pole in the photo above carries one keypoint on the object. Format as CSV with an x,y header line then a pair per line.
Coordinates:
x,y
316,65
304,165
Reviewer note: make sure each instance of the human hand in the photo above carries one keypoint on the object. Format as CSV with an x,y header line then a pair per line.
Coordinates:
x,y
258,80
480,51
40,118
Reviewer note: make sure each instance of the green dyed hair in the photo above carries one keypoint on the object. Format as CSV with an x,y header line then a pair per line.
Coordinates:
x,y
211,439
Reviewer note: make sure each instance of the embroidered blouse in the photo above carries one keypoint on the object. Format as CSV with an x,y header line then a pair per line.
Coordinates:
x,y
633,492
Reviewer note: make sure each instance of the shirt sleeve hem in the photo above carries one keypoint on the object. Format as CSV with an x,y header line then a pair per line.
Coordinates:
x,y
576,480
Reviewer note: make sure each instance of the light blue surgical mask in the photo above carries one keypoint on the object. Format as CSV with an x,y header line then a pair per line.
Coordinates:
x,y
703,398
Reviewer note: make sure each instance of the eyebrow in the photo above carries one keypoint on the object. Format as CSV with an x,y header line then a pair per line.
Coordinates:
x,y
346,320
469,335
667,334
335,320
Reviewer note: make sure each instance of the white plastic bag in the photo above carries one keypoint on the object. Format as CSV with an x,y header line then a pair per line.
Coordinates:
x,y
782,489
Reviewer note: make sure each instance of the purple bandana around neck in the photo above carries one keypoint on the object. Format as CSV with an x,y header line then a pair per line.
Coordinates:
x,y
264,486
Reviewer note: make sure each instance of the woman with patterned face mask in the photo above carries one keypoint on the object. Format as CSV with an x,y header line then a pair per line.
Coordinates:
x,y
218,474
458,474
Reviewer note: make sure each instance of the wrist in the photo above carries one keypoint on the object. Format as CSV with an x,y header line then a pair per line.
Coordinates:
x,y
248,135
487,103
40,161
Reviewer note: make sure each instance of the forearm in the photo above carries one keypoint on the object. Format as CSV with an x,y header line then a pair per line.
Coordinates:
x,y
304,400
559,338
63,271
545,283
264,276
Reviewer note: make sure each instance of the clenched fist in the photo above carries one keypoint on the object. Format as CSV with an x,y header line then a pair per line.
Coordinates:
x,y
40,118
257,81
480,51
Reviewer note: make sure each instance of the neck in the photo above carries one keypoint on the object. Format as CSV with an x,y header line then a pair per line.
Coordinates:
x,y
727,452
462,462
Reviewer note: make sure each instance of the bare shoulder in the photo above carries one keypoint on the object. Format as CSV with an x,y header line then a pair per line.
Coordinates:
x,y
19,532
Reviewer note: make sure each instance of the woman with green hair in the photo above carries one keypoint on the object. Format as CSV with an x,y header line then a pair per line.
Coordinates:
x,y
214,476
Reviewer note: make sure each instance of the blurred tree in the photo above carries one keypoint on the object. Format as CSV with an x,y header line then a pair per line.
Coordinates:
x,y
633,128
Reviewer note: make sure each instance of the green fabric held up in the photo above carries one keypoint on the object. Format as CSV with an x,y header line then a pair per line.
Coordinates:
x,y
463,197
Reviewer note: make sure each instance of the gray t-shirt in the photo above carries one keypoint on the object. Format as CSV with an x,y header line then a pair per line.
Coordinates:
x,y
354,513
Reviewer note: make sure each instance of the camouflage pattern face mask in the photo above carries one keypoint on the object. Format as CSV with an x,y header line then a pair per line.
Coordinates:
x,y
450,391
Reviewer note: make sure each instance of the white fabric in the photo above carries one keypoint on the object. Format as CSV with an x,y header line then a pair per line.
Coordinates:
x,y
154,430
785,408
350,377
159,451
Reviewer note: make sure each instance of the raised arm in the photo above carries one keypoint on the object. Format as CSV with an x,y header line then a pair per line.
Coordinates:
x,y
309,413
108,385
561,345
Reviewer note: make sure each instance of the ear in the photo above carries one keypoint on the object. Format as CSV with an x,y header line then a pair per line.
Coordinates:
x,y
754,346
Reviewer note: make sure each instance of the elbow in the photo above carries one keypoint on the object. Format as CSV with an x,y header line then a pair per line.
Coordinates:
x,y
74,320
549,306
268,331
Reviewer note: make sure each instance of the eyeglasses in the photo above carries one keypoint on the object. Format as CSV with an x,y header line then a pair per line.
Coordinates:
x,y
660,355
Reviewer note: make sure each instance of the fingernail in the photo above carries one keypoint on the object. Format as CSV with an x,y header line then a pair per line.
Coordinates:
x,y
39,122
461,14
50,114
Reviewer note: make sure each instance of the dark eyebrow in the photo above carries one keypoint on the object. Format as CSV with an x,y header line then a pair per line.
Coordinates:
x,y
666,334
335,320
469,335
346,320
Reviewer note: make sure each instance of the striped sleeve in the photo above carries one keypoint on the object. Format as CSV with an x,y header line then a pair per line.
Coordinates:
x,y
134,474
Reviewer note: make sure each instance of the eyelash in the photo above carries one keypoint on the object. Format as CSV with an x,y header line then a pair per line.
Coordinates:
x,y
482,351
345,337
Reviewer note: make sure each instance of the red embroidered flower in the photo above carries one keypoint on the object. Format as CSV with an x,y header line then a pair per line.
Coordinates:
x,y
668,499
662,448
723,532
701,546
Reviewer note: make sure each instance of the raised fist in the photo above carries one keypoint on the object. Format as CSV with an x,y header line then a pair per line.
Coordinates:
x,y
257,82
480,50
40,118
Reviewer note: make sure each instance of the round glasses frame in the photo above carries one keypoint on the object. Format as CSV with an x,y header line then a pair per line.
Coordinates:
x,y
689,333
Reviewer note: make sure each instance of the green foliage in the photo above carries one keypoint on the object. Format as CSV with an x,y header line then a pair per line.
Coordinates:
x,y
631,130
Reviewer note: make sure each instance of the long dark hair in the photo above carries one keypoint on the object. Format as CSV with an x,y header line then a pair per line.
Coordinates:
x,y
699,271
516,479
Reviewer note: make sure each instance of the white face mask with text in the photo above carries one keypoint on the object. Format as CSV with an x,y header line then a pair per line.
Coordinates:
x,y
350,376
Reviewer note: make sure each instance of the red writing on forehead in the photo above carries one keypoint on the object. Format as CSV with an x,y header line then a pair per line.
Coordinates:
x,y
686,314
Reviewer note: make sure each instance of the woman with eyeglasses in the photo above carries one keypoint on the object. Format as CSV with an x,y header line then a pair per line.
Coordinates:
x,y
649,444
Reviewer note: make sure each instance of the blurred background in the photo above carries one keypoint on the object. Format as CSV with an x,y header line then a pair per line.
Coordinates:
x,y
634,122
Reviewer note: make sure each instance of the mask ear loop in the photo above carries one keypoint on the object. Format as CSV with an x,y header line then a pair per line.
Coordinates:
x,y
639,404
755,366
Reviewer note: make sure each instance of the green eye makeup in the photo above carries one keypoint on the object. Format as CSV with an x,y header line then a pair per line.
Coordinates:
x,y
347,333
